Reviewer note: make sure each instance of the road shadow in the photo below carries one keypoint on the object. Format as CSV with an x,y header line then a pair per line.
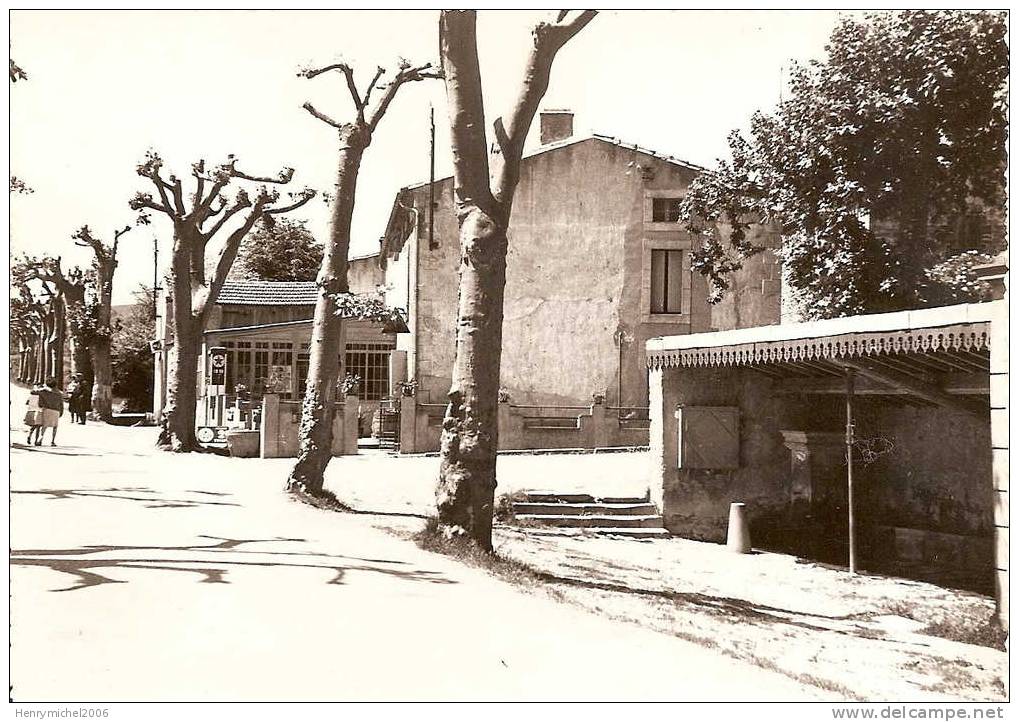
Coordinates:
x,y
730,608
131,493
211,570
53,450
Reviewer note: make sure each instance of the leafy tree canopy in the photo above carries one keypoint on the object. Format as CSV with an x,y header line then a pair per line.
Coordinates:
x,y
884,169
282,250
133,369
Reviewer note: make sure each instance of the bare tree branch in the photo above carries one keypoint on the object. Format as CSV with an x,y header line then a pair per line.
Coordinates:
x,y
242,202
459,51
306,195
144,200
348,74
511,132
321,116
379,72
406,74
284,176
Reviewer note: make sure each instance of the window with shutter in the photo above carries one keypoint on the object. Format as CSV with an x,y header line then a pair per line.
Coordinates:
x,y
666,281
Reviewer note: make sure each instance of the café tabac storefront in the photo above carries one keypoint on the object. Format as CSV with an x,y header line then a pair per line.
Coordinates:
x,y
244,364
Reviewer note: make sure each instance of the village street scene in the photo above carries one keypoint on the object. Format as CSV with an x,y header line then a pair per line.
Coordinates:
x,y
509,356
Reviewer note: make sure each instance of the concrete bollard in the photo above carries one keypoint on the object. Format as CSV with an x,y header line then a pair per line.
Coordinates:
x,y
739,532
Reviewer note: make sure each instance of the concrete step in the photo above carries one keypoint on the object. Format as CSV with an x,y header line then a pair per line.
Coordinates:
x,y
548,497
641,508
643,521
632,532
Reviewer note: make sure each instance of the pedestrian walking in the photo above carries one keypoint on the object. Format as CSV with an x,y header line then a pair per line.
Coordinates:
x,y
52,408
33,417
78,396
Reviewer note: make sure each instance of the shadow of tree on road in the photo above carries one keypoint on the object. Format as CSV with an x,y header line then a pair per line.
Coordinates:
x,y
212,571
123,492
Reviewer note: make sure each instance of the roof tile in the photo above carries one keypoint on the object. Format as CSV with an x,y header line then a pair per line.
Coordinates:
x,y
268,293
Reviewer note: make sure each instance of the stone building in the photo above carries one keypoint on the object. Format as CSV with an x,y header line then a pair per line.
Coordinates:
x,y
760,416
597,265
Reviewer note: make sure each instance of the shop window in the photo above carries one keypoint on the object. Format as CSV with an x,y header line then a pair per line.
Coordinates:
x,y
370,362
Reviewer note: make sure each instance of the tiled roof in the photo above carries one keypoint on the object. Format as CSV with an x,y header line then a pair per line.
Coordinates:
x,y
269,293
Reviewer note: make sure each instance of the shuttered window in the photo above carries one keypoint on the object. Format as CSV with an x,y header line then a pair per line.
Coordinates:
x,y
666,281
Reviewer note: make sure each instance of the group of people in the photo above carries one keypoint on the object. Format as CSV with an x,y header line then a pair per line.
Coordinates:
x,y
46,406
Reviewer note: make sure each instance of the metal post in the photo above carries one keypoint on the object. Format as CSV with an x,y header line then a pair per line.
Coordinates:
x,y
431,185
850,382
155,277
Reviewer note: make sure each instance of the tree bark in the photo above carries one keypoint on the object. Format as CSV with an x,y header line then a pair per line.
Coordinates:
x,y
178,432
102,382
470,429
318,409
470,432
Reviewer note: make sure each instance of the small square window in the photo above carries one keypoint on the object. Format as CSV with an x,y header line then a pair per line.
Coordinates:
x,y
665,210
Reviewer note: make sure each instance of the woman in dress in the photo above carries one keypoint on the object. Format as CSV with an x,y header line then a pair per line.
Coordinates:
x,y
52,405
33,417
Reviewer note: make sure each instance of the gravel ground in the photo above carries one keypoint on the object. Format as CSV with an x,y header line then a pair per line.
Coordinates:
x,y
862,637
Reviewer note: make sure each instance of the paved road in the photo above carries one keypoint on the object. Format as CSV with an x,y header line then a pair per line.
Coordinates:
x,y
138,576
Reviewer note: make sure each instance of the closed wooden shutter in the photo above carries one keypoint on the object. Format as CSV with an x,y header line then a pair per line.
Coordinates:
x,y
708,437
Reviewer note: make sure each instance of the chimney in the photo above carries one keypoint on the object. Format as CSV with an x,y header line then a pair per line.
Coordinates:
x,y
556,125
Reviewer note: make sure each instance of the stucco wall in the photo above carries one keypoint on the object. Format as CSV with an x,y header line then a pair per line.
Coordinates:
x,y
755,294
578,240
364,274
695,502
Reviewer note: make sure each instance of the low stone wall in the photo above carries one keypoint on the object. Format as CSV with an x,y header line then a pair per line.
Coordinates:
x,y
528,427
281,421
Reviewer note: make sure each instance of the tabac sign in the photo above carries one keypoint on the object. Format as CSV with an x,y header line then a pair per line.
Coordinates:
x,y
217,370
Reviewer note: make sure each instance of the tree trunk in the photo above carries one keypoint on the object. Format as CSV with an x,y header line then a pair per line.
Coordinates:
x,y
317,411
102,385
470,430
80,360
178,433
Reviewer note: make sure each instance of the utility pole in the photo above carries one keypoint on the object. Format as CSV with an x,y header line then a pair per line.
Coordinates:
x,y
850,384
431,183
155,277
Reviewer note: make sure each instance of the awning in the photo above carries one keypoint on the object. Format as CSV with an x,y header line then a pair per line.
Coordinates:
x,y
936,355
961,331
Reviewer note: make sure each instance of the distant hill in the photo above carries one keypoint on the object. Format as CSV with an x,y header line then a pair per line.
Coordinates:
x,y
122,310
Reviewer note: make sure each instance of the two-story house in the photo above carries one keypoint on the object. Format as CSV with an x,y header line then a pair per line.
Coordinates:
x,y
598,264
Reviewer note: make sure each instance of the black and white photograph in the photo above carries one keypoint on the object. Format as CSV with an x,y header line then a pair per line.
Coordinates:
x,y
501,356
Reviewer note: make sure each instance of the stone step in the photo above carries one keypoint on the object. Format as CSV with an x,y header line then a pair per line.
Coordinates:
x,y
643,521
548,497
633,532
641,508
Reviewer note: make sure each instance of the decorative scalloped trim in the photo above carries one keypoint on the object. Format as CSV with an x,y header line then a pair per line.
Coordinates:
x,y
967,337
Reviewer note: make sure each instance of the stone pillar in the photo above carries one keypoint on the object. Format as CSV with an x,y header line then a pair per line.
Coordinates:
x,y
817,489
662,432
510,427
350,430
999,451
599,424
408,424
269,436
397,371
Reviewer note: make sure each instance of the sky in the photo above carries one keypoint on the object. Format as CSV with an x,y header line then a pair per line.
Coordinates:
x,y
105,86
